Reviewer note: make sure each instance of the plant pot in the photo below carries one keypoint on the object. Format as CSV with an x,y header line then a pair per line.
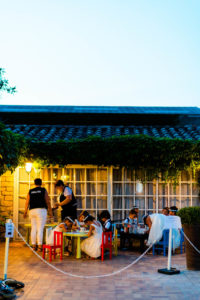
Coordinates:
x,y
192,256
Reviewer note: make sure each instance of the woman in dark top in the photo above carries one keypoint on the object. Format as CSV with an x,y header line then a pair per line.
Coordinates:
x,y
37,202
68,202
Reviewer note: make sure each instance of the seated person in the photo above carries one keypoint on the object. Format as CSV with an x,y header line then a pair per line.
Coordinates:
x,y
157,223
92,245
124,235
136,209
173,211
105,220
131,217
80,222
65,226
165,211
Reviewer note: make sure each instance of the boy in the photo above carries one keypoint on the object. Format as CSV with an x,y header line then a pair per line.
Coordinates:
x,y
105,220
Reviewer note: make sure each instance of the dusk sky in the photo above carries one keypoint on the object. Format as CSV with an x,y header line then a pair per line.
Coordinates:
x,y
108,52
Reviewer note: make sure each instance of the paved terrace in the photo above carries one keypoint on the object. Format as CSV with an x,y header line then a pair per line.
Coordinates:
x,y
138,282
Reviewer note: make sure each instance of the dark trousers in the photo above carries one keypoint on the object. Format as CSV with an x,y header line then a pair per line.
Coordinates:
x,y
68,213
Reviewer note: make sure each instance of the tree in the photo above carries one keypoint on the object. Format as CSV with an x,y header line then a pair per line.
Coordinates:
x,y
4,84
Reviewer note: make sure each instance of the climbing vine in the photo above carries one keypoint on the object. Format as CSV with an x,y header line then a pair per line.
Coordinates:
x,y
156,156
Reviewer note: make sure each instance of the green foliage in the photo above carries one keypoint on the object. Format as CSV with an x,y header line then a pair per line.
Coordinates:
x,y
12,149
4,84
190,215
154,155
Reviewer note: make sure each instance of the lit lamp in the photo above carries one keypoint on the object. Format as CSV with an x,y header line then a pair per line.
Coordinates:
x,y
28,167
139,187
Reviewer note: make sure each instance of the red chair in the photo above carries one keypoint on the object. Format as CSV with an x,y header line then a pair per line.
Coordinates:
x,y
106,244
58,244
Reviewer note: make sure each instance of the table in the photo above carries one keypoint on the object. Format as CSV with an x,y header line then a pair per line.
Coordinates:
x,y
78,236
135,236
28,227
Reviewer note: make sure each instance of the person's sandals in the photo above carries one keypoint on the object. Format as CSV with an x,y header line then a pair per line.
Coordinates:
x,y
34,247
40,248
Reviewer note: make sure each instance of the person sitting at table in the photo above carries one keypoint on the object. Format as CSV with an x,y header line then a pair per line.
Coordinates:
x,y
105,220
157,223
165,211
124,235
173,211
136,209
80,221
91,246
64,226
132,216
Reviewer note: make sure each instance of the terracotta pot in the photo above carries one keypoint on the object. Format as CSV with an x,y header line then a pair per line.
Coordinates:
x,y
192,256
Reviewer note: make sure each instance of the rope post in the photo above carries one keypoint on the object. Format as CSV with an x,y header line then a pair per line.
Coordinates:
x,y
9,282
8,234
169,270
6,259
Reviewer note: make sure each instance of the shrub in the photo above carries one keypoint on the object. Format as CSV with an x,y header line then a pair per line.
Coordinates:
x,y
190,215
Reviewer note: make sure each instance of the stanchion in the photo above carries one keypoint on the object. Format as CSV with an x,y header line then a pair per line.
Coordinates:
x,y
5,285
169,270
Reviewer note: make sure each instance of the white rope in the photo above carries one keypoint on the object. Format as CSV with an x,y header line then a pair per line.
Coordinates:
x,y
198,251
83,276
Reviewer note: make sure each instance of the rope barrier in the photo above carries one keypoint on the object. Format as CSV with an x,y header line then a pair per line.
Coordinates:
x,y
198,251
85,276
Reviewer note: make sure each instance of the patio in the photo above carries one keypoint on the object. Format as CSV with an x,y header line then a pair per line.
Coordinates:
x,y
141,281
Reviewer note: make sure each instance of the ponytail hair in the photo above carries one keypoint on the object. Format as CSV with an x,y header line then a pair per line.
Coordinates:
x,y
88,218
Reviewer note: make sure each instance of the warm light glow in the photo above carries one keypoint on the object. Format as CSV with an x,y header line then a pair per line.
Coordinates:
x,y
28,167
139,187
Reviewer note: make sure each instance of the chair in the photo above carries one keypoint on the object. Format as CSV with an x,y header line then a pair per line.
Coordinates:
x,y
163,244
106,244
58,244
115,240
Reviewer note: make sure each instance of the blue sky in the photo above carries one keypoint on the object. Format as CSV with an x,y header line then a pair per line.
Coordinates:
x,y
105,52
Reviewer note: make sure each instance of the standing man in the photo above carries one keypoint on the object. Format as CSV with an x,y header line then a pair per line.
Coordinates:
x,y
68,201
37,202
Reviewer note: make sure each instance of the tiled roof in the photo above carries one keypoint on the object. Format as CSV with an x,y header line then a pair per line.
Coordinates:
x,y
66,132
99,109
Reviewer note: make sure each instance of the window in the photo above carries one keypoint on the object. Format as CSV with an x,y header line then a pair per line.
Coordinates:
x,y
110,188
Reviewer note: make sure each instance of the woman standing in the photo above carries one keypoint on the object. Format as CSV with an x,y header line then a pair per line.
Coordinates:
x,y
37,202
68,201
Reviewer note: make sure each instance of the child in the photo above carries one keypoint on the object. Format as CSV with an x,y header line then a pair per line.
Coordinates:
x,y
131,217
105,220
80,222
65,226
92,245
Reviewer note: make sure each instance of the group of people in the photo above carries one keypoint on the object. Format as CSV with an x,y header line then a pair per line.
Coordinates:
x,y
38,202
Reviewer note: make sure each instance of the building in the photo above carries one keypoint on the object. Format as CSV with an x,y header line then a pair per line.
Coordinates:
x,y
97,188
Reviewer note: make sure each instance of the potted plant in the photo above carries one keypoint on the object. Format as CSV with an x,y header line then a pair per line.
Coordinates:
x,y
190,218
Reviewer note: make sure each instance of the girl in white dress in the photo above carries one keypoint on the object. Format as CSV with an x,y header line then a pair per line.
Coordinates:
x,y
92,245
65,226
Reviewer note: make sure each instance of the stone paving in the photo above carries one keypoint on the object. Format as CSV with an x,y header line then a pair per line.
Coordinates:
x,y
141,281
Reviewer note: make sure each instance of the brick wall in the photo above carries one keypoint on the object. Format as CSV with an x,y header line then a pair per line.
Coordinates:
x,y
6,197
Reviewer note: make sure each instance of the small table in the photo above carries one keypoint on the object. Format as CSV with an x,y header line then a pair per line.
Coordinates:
x,y
28,227
77,235
135,236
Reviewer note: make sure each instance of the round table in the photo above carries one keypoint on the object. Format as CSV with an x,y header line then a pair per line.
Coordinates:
x,y
78,235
